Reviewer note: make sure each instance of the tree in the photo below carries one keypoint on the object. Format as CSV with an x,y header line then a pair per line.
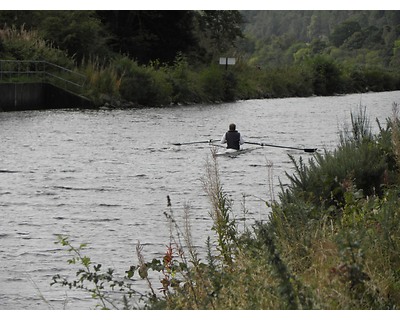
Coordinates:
x,y
78,32
326,76
343,31
395,61
150,35
220,29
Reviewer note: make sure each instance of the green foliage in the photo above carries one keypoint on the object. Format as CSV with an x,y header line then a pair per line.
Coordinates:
x,y
22,44
80,33
292,57
224,225
143,85
211,81
249,83
329,176
340,240
150,35
221,28
343,32
326,76
103,80
289,288
330,243
349,30
395,61
91,279
183,81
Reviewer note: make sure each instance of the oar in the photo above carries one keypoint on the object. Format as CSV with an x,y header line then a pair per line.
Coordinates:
x,y
310,150
193,142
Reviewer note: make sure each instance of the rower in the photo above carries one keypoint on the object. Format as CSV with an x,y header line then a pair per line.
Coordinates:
x,y
232,138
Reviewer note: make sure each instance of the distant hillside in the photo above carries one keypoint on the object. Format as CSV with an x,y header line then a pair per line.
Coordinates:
x,y
280,38
306,25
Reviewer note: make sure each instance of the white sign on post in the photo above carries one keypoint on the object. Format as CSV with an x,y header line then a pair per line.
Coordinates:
x,y
227,61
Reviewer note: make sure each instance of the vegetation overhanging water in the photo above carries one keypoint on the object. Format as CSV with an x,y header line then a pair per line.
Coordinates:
x,y
300,53
331,241
332,238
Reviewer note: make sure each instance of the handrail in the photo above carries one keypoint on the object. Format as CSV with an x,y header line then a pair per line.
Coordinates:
x,y
15,69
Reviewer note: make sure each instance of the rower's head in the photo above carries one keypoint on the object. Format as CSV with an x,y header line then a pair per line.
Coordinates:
x,y
232,127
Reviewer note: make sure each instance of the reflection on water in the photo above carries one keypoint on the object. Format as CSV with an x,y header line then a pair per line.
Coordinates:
x,y
102,178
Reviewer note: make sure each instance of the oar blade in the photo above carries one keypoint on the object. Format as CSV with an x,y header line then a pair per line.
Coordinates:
x,y
310,150
193,142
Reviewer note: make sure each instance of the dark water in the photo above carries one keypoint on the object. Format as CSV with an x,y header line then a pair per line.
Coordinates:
x,y
102,178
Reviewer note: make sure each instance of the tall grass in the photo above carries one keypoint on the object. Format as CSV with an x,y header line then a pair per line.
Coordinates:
x,y
103,80
120,81
23,44
327,222
318,250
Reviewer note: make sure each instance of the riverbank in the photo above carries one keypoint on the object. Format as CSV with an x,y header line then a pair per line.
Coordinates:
x,y
180,83
330,242
121,82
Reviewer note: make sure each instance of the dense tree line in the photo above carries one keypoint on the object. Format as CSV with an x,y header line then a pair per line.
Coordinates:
x,y
147,35
144,36
162,57
305,25
368,38
268,38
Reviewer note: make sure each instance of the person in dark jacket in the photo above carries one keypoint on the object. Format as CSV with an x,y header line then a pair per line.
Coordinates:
x,y
232,138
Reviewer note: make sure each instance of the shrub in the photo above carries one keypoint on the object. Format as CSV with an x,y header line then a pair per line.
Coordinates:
x,y
103,79
21,44
326,76
212,83
147,86
357,163
183,81
320,249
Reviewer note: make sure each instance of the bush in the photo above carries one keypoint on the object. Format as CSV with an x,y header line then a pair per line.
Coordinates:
x,y
103,80
212,83
21,44
379,80
248,83
147,86
326,76
183,81
358,163
338,235
309,255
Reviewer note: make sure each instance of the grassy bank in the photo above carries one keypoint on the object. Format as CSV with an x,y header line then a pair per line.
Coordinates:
x,y
331,241
122,82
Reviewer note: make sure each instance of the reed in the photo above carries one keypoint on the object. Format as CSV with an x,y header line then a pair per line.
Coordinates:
x,y
395,127
312,253
103,80
23,44
332,240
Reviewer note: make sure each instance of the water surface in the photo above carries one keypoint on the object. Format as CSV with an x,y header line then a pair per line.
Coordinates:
x,y
102,177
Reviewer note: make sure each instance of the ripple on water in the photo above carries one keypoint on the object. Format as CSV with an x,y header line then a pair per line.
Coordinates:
x,y
98,219
101,177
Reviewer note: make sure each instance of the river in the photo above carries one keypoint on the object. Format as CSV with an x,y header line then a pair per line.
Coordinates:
x,y
102,177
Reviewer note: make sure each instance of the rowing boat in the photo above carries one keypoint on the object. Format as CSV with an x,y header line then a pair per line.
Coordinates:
x,y
232,153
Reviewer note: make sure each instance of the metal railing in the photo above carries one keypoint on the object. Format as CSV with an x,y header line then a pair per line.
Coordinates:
x,y
43,71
